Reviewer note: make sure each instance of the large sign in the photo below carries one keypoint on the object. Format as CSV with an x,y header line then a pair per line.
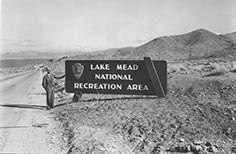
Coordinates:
x,y
139,77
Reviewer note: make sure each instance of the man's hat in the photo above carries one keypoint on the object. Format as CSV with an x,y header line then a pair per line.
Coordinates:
x,y
46,69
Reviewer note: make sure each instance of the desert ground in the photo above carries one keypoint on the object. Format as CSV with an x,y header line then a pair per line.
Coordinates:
x,y
198,115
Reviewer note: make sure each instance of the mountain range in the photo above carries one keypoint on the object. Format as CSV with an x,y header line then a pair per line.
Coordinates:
x,y
197,44
35,54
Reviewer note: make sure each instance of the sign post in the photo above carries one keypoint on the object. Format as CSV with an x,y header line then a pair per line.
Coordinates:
x,y
137,77
156,82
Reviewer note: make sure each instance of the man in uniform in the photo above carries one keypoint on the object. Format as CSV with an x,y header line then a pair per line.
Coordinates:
x,y
49,85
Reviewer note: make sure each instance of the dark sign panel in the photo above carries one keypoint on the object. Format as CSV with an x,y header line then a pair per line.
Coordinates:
x,y
115,77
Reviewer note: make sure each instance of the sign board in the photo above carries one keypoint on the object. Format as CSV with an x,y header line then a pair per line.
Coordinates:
x,y
137,77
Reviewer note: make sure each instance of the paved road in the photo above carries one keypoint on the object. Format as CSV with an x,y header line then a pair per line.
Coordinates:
x,y
24,120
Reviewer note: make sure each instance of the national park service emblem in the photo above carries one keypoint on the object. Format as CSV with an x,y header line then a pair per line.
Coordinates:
x,y
77,69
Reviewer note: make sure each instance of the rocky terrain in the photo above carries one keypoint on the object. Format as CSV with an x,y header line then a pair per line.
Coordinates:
x,y
197,116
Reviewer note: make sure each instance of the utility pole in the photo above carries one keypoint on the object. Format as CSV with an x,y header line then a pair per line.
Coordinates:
x,y
190,54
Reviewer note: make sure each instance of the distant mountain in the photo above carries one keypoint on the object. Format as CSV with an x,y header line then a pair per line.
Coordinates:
x,y
197,44
28,49
38,54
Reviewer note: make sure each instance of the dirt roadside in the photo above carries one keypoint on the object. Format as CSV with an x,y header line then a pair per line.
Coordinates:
x,y
197,117
25,123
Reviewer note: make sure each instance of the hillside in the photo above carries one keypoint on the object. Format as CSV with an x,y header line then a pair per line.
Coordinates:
x,y
201,43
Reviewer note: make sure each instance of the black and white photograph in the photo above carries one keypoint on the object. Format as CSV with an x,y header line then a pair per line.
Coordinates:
x,y
118,77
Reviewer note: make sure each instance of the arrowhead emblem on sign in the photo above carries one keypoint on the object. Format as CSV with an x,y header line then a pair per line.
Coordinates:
x,y
77,69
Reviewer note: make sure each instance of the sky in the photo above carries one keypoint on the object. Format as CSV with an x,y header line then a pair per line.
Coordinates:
x,y
100,24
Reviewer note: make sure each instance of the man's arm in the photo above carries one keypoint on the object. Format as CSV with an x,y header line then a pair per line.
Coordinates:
x,y
59,77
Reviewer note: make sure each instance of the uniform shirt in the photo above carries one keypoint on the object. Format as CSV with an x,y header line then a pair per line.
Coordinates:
x,y
48,81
